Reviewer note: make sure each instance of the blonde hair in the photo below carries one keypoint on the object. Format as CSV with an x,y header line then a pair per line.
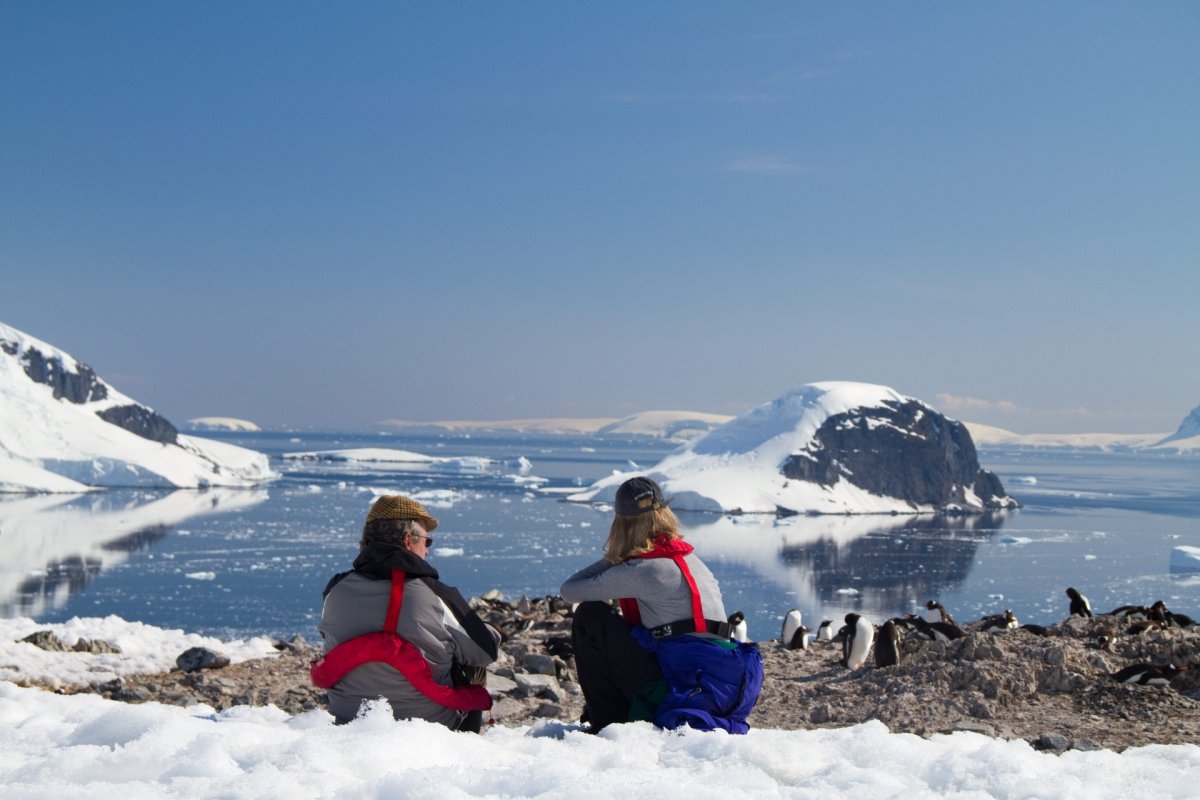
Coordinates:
x,y
633,535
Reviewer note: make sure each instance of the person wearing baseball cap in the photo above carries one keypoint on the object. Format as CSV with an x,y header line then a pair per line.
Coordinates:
x,y
672,623
392,582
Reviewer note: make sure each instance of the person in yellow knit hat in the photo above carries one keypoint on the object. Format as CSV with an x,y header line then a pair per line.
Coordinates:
x,y
393,630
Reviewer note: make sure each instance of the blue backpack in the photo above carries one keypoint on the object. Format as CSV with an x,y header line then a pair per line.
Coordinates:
x,y
710,683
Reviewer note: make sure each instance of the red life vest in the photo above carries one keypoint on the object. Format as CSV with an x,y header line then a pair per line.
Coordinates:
x,y
674,549
388,647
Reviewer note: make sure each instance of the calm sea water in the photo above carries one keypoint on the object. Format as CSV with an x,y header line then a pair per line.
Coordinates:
x,y
236,563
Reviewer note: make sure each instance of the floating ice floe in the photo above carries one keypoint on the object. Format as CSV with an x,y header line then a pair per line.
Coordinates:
x,y
1185,559
365,454
1028,480
1015,540
447,552
201,576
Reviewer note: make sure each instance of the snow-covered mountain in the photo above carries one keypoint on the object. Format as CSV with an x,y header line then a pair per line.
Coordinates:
x,y
827,448
63,429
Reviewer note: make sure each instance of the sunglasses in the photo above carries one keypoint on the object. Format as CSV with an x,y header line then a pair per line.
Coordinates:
x,y
428,540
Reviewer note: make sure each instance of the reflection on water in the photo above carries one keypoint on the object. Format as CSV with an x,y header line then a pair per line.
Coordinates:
x,y
875,565
55,545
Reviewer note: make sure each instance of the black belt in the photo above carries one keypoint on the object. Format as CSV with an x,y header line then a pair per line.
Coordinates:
x,y
682,626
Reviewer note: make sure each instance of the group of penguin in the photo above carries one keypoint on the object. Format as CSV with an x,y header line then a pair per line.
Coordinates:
x,y
858,636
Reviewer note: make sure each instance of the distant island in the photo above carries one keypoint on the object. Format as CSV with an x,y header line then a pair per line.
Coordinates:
x,y
228,424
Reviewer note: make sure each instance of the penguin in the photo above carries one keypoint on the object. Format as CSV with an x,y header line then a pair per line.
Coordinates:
x,y
998,623
887,646
936,612
1129,612
1143,625
1148,674
1104,642
825,631
1179,620
1158,612
1036,630
737,621
1080,607
860,635
938,631
794,635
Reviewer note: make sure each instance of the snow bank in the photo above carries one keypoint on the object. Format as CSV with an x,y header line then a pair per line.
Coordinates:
x,y
144,648
82,746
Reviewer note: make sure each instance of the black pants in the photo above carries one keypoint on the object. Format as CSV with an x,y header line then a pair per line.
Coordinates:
x,y
611,665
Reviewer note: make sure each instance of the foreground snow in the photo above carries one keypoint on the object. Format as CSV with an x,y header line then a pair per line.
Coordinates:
x,y
83,746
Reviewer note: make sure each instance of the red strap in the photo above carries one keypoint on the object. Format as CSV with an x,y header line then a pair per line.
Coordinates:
x,y
388,647
632,613
397,599
697,611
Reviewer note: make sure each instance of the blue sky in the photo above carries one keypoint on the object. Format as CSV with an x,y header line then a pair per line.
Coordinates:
x,y
318,214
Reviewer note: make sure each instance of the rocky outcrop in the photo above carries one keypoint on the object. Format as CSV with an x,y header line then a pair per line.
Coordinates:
x,y
904,450
79,386
141,421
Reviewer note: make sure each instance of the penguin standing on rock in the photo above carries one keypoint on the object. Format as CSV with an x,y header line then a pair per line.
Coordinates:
x,y
936,612
887,646
1080,607
860,635
1148,674
794,635
737,622
825,631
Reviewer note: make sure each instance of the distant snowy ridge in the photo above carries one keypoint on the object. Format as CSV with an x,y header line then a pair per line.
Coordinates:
x,y
65,430
221,424
827,448
989,436
670,425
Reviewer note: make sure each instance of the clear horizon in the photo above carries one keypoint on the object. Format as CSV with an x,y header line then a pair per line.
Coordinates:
x,y
321,217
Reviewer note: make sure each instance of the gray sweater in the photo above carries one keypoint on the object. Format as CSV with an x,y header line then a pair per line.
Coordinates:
x,y
656,583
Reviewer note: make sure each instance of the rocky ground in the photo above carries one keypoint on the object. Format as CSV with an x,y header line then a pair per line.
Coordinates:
x,y
1053,691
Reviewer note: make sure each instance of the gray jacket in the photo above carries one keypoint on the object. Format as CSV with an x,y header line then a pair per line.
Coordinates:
x,y
656,583
357,602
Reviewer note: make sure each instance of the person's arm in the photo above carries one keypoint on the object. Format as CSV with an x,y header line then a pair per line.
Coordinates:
x,y
467,650
601,581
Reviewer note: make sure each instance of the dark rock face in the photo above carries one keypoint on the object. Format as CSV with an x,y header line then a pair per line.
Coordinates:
x,y
76,387
142,421
903,450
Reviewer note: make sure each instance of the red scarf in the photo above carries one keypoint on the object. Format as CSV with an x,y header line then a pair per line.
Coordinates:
x,y
674,549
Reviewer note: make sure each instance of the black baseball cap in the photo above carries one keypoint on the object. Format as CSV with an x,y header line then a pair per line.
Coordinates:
x,y
637,496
